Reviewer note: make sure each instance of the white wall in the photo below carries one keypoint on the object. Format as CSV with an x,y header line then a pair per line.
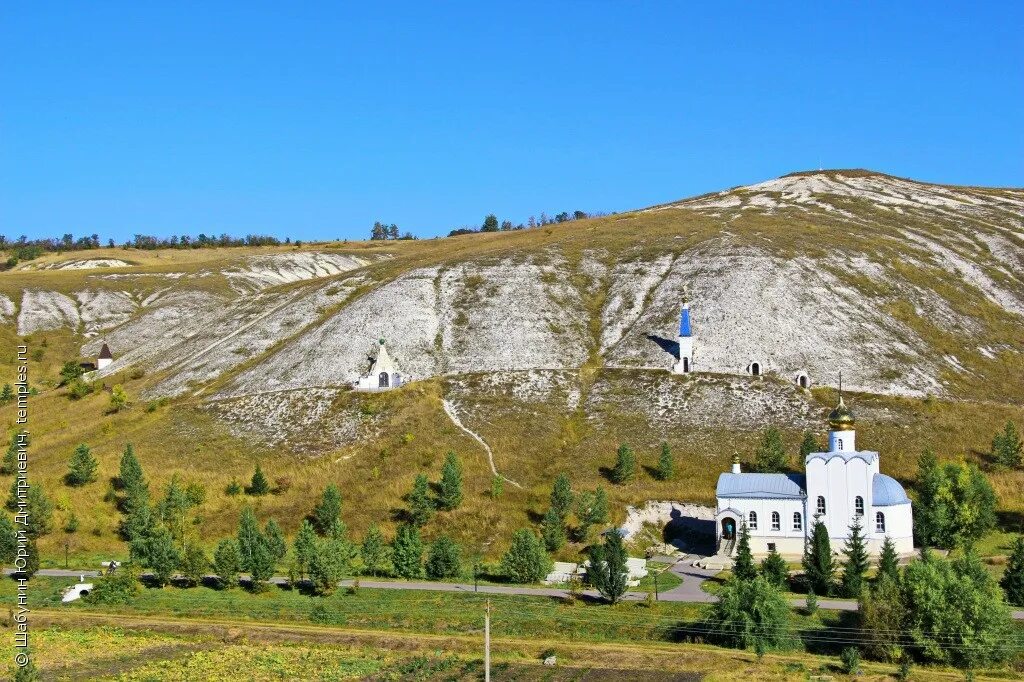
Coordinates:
x,y
840,481
785,538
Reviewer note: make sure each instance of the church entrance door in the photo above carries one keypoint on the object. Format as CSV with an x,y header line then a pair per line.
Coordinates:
x,y
728,528
382,381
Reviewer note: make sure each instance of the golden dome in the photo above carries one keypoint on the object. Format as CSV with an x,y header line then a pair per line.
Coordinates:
x,y
841,418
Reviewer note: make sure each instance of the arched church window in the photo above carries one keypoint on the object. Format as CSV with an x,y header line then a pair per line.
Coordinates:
x,y
776,521
798,521
821,505
879,522
858,505
752,521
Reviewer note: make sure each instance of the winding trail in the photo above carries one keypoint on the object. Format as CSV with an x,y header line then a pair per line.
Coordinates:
x,y
449,409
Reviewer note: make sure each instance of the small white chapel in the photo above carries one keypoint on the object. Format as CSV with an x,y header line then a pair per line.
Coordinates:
x,y
839,485
383,374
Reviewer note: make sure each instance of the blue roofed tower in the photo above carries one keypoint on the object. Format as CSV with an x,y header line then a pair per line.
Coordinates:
x,y
685,363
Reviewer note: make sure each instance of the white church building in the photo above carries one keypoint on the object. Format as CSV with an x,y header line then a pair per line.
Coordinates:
x,y
839,485
383,374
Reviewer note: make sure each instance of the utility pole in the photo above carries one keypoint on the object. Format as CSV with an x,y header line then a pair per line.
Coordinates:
x,y
487,642
656,574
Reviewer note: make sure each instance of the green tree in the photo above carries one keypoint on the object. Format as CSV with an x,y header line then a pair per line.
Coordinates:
x,y
27,673
8,541
6,394
882,615
956,503
274,537
856,565
259,485
955,613
1007,448
608,572
444,559
666,463
561,495
750,613
450,487
525,561
490,224
771,453
497,486
374,550
31,559
173,509
819,564
227,562
261,565
130,474
407,552
81,466
808,445
138,518
888,561
625,465
250,539
591,510
304,547
421,507
194,564
118,398
1013,579
774,569
328,510
325,568
743,565
70,371
161,555
233,489
553,530
40,512
931,513
10,461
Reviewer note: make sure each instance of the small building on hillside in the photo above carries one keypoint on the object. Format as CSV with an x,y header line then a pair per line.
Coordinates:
x,y
838,486
383,375
685,338
105,358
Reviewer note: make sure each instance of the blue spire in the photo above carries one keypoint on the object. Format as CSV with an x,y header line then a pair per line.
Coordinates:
x,y
684,321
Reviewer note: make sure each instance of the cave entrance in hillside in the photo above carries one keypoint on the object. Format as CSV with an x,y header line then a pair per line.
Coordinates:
x,y
686,365
755,369
382,380
803,381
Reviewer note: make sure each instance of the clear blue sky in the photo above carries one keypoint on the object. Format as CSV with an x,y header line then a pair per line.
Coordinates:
x,y
315,120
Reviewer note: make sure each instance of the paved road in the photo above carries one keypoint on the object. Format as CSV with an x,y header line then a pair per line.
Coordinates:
x,y
689,591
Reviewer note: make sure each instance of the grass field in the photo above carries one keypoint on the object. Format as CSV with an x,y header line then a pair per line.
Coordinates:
x,y
172,633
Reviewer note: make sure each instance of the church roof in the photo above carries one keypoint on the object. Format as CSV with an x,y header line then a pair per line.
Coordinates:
x,y
105,353
684,321
866,455
772,486
383,362
887,491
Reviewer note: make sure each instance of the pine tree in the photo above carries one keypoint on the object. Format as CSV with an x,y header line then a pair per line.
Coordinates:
x,y
173,509
1007,448
774,569
407,552
625,465
304,546
373,550
259,485
31,559
227,563
6,394
743,565
808,445
421,507
274,538
553,530
82,466
138,518
261,565
10,461
250,539
888,561
450,493
328,510
1013,580
608,572
856,565
118,398
819,564
130,474
931,513
561,495
444,559
525,561
666,463
771,453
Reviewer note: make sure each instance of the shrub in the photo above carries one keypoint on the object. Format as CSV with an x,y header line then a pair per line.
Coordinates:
x,y
525,561
850,657
120,587
443,560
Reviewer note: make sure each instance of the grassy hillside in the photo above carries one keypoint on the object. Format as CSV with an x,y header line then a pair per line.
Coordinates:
x,y
552,344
